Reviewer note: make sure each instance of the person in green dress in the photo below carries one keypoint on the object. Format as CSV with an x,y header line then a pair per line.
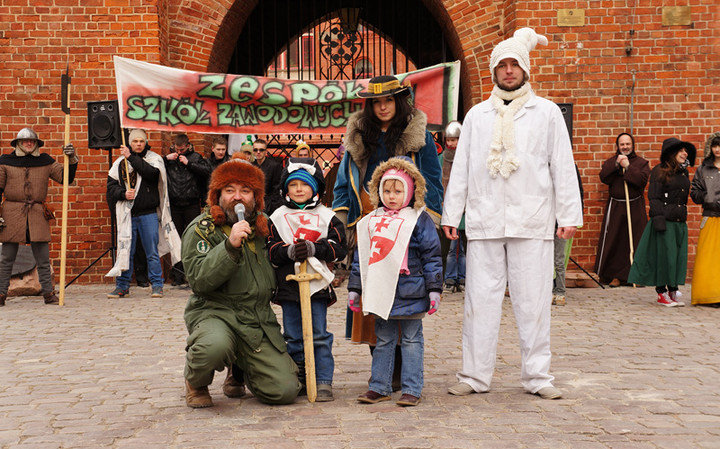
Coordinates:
x,y
661,256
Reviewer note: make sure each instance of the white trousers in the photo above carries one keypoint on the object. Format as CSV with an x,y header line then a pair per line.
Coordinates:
x,y
526,265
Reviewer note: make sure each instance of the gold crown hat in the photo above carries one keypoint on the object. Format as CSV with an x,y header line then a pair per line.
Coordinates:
x,y
383,85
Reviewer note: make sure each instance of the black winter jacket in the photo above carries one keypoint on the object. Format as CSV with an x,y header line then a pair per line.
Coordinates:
x,y
330,249
147,198
668,200
705,188
187,184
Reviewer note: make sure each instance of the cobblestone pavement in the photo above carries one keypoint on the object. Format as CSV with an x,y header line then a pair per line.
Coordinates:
x,y
108,373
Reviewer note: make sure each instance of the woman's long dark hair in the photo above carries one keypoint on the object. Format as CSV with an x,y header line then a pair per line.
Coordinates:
x,y
371,131
670,167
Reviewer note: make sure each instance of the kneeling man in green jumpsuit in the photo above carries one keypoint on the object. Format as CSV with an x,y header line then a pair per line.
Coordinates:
x,y
228,315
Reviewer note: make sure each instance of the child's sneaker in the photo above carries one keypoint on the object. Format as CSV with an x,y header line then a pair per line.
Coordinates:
x,y
664,300
674,297
119,293
324,393
157,292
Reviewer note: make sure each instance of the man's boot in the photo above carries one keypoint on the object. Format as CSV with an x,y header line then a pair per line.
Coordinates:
x,y
232,387
301,378
51,298
197,397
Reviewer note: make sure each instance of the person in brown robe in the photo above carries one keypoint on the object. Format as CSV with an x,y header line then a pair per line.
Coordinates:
x,y
612,262
25,215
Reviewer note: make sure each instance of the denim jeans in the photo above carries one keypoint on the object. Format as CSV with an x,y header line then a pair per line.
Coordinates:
x,y
559,263
322,339
411,347
455,268
146,228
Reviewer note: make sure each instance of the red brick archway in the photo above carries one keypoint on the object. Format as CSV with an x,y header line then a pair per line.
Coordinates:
x,y
201,35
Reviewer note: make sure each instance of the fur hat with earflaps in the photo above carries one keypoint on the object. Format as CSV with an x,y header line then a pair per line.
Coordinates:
x,y
403,164
241,172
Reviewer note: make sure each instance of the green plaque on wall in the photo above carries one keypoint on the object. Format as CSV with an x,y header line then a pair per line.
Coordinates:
x,y
676,15
571,17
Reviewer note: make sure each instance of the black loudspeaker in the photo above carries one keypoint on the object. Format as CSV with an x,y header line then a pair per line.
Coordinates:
x,y
104,124
567,111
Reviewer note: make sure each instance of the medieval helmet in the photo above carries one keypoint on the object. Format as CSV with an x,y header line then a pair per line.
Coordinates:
x,y
27,134
452,129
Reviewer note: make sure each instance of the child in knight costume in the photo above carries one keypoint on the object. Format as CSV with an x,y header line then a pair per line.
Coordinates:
x,y
304,229
398,247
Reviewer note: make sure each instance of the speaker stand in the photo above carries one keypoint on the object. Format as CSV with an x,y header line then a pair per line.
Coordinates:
x,y
113,233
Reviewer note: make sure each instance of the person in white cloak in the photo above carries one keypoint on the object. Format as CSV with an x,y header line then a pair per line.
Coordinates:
x,y
513,176
137,193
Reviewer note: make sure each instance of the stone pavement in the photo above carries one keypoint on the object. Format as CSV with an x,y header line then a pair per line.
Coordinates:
x,y
108,373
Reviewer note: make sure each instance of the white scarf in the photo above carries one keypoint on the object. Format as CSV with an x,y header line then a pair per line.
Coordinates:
x,y
169,240
311,224
503,136
383,240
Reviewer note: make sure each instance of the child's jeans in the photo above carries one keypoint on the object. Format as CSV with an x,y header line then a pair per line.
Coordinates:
x,y
411,347
455,263
322,339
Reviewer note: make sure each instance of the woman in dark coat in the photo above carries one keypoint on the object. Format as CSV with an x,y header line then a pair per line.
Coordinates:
x,y
661,258
612,262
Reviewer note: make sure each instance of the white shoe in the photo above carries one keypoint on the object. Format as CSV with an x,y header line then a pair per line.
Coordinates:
x,y
461,389
674,298
549,392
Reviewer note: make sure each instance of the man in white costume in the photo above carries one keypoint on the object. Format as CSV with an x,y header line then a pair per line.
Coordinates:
x,y
513,176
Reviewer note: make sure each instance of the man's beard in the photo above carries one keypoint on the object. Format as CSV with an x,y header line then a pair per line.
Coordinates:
x,y
505,88
229,209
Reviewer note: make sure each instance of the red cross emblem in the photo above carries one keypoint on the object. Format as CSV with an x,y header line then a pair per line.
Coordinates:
x,y
383,231
304,226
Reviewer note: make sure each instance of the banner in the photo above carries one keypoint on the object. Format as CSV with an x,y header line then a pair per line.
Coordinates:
x,y
156,97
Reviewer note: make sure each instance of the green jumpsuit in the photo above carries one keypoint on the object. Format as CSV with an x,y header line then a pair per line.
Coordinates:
x,y
229,317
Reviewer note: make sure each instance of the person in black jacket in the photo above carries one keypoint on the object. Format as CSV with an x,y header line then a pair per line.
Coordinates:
x,y
272,170
305,230
144,196
188,174
661,257
218,153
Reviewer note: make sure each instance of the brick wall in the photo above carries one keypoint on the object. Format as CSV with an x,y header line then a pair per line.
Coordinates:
x,y
675,68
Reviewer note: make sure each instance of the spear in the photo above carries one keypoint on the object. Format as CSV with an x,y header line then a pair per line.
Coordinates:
x,y
65,96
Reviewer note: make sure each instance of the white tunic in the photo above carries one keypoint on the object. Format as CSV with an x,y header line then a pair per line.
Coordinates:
x,y
526,205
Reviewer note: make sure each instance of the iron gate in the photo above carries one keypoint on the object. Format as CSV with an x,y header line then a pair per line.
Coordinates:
x,y
335,40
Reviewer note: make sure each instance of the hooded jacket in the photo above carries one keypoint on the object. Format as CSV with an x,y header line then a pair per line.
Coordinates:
x,y
705,187
424,259
329,249
415,142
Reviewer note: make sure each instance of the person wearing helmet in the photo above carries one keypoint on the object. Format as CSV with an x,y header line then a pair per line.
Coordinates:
x,y
25,216
453,251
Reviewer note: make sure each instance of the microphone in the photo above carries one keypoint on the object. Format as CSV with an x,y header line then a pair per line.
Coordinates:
x,y
240,211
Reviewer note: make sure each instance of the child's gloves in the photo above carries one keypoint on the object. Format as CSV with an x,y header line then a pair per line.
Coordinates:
x,y
301,250
434,302
354,301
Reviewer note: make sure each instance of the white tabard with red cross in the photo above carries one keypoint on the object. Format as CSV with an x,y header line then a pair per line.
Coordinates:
x,y
383,240
294,225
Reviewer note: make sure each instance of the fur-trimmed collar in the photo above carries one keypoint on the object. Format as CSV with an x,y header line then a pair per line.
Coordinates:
x,y
406,165
412,138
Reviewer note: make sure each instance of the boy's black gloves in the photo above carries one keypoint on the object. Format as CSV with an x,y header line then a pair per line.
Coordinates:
x,y
301,250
